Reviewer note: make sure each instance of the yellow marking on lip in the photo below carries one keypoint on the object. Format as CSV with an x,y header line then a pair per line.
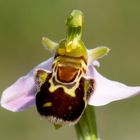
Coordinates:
x,y
47,104
70,107
76,81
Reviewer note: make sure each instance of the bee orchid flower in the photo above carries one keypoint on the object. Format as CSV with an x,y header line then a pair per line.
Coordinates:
x,y
62,86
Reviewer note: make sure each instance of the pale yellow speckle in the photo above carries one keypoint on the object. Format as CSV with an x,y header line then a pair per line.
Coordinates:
x,y
70,107
47,104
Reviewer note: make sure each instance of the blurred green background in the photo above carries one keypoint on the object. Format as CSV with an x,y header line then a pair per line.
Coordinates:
x,y
113,23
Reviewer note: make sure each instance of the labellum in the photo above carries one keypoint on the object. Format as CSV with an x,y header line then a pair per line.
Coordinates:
x,y
63,93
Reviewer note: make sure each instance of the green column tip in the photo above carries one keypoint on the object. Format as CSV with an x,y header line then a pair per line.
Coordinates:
x,y
75,19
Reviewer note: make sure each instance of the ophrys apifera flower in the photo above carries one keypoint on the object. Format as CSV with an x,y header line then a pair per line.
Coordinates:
x,y
62,86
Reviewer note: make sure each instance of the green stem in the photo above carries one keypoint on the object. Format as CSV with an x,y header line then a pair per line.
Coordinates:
x,y
86,128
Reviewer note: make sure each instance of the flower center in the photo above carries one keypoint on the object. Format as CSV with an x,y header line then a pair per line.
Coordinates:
x,y
66,73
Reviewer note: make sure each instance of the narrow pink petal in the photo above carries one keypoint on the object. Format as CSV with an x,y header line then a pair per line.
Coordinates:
x,y
96,63
21,95
107,91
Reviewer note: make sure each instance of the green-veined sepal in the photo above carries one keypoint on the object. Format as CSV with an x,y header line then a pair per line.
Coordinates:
x,y
96,53
49,44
